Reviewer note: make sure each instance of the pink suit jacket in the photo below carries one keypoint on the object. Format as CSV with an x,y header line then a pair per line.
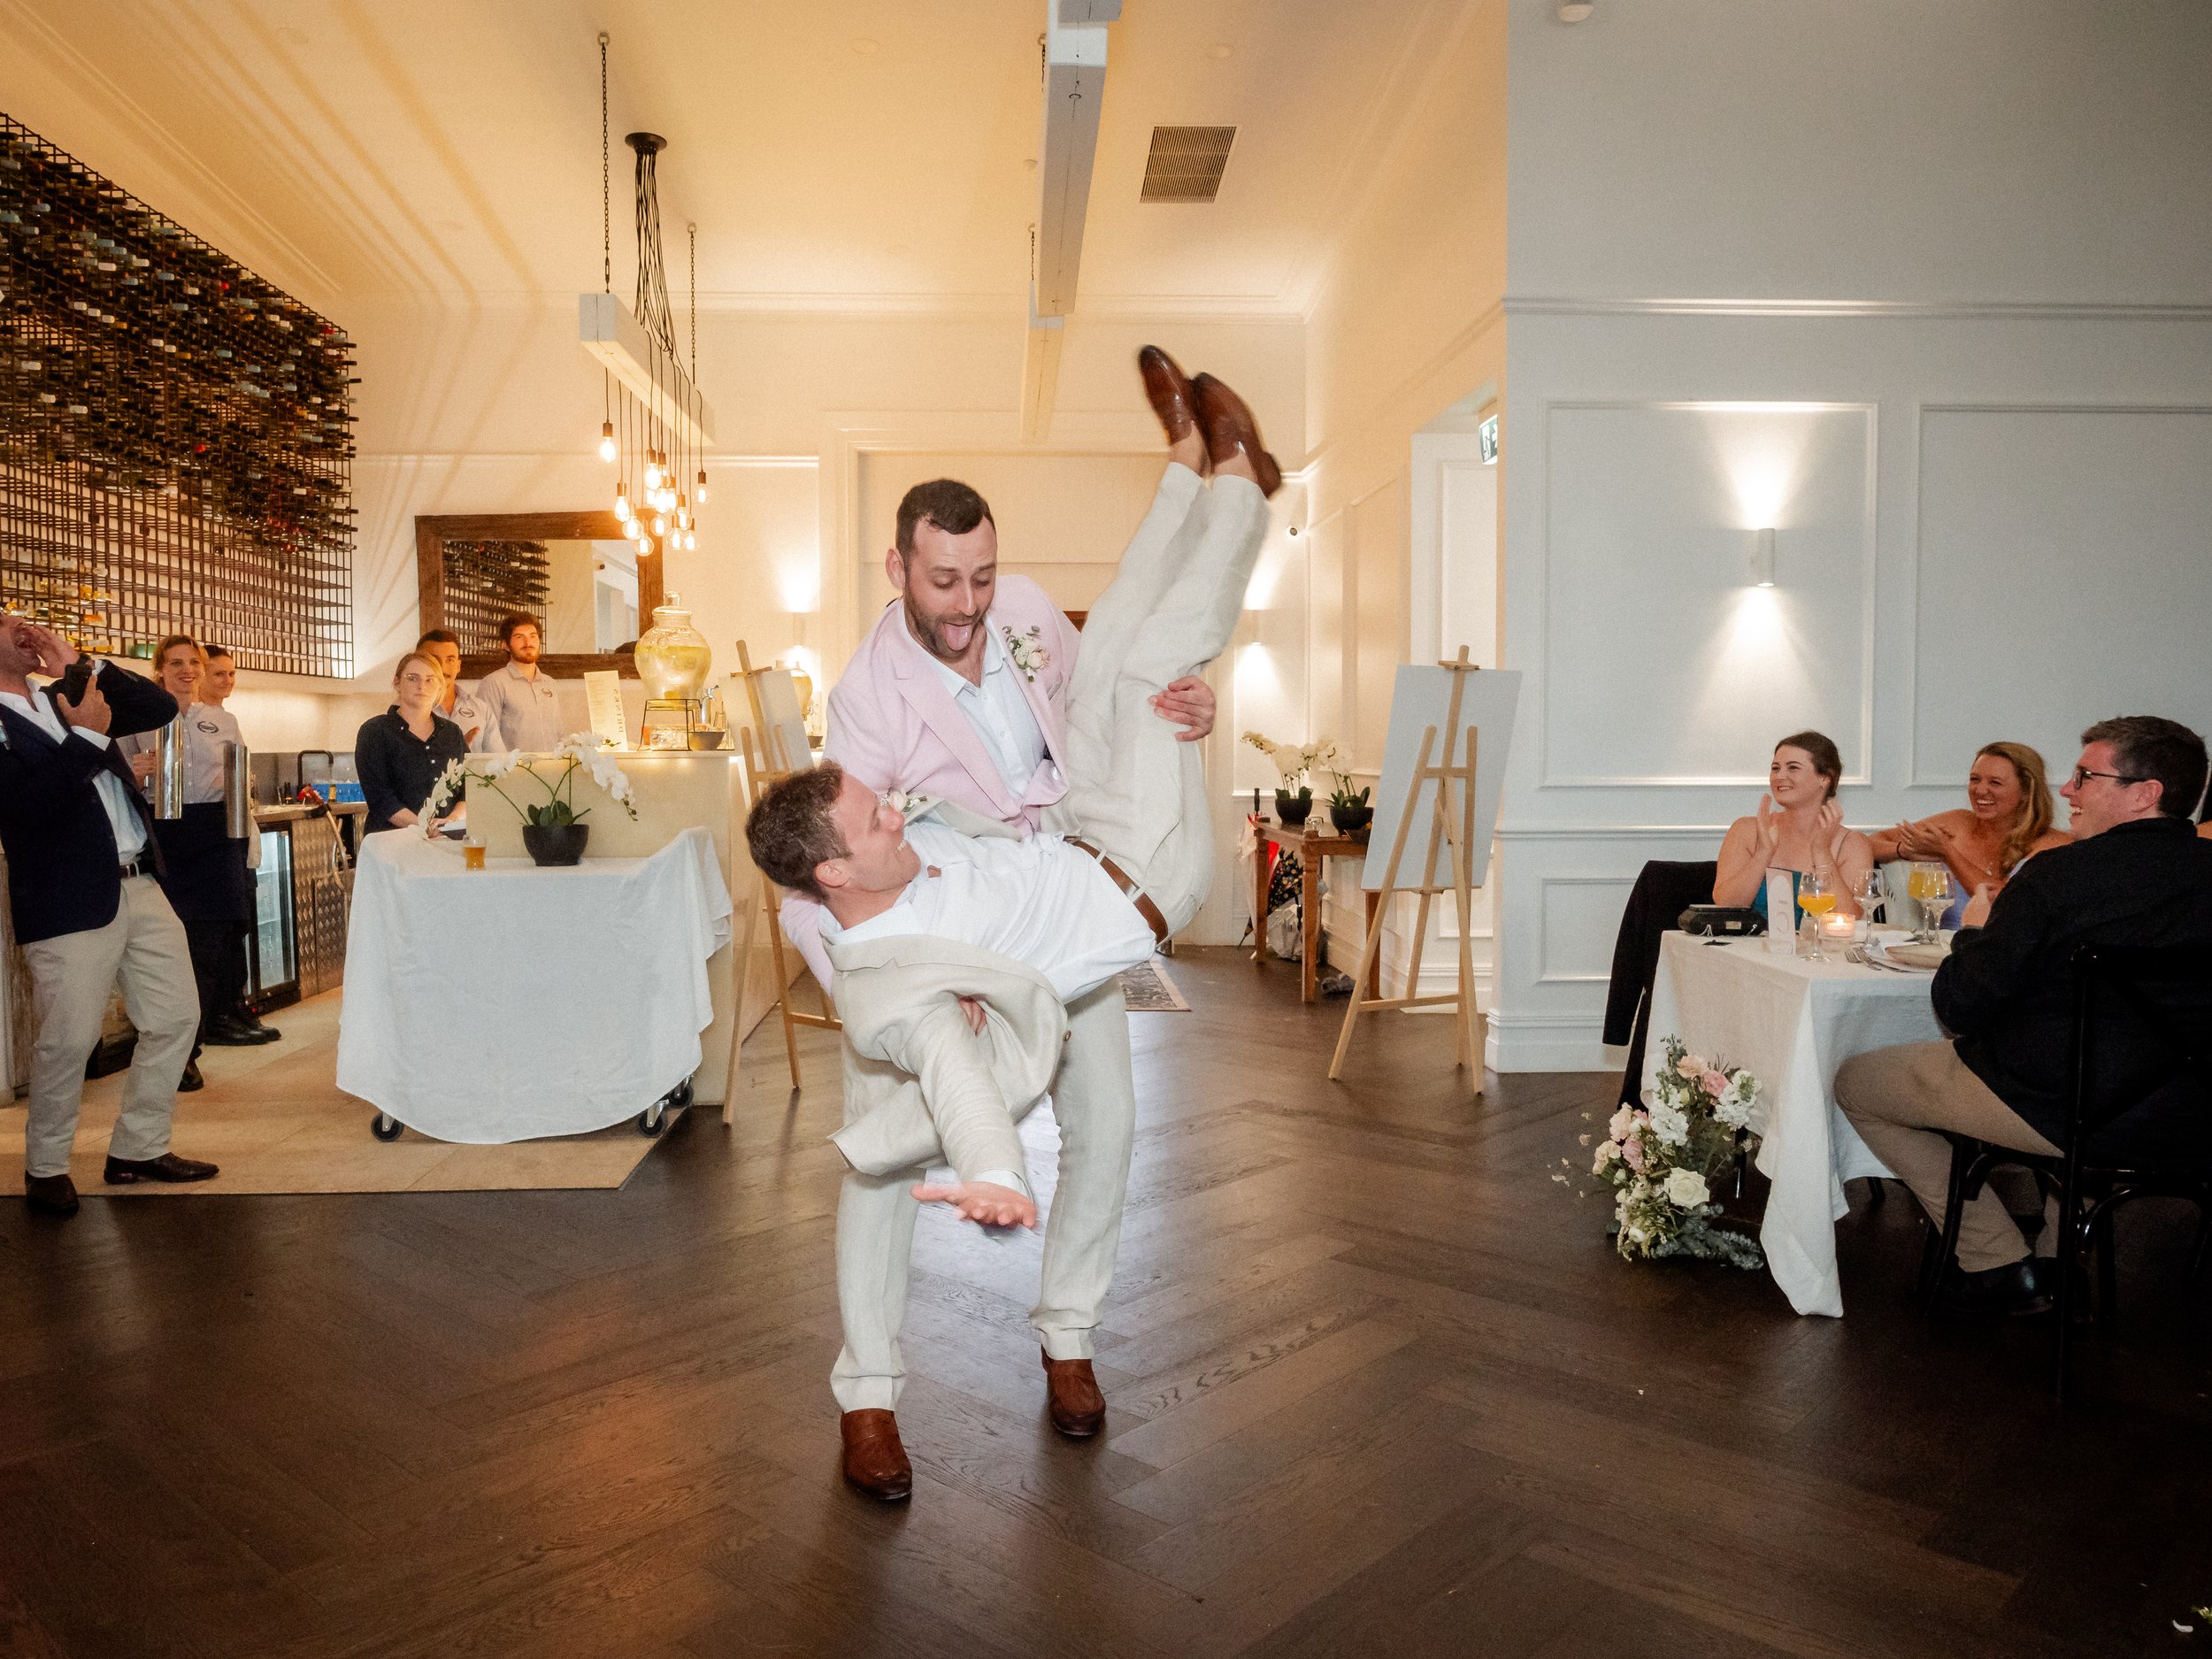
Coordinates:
x,y
893,725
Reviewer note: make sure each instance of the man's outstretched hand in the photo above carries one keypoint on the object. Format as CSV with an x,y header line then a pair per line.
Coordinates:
x,y
985,1202
1189,704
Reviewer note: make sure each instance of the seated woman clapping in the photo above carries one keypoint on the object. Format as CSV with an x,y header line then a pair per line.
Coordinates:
x,y
2008,817
1798,826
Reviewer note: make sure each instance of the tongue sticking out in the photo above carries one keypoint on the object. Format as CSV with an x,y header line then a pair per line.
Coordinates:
x,y
958,634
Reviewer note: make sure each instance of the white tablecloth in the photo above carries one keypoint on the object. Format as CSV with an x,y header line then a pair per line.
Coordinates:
x,y
1793,1022
511,1003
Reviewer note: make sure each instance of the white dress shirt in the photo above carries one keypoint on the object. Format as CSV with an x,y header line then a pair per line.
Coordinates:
x,y
130,829
1000,714
472,717
1038,901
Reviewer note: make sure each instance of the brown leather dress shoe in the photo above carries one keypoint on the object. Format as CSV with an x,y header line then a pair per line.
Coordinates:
x,y
50,1195
1230,428
167,1167
1169,388
875,1462
1071,1395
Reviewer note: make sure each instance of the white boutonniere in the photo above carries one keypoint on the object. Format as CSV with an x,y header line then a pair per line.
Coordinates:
x,y
1028,651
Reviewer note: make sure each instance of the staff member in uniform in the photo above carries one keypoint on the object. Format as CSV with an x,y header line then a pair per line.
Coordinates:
x,y
442,646
521,708
203,870
400,754
88,911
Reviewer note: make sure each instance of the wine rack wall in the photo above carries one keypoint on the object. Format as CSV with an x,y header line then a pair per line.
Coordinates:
x,y
485,582
176,438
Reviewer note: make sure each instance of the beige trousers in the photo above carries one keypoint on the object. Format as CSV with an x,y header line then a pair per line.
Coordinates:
x,y
1897,1099
1135,789
1094,1100
70,976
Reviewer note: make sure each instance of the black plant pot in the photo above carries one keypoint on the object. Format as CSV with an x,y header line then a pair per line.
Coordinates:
x,y
1290,809
555,844
1350,820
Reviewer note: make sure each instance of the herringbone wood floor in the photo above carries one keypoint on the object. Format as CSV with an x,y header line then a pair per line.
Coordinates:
x,y
1378,1386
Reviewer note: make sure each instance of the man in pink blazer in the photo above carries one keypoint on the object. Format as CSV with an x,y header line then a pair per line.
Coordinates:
x,y
957,693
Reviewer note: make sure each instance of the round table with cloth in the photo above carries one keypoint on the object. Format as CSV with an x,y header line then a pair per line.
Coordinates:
x,y
514,1002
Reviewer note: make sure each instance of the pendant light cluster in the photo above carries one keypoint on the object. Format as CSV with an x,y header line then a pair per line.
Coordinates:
x,y
652,439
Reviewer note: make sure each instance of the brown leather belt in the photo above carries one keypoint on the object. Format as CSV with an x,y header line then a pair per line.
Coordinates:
x,y
1135,894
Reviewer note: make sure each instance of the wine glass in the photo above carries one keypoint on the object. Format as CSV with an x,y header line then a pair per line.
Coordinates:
x,y
1816,896
1932,890
1872,892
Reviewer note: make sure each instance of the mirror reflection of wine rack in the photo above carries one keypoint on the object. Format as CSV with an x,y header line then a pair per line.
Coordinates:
x,y
486,582
176,438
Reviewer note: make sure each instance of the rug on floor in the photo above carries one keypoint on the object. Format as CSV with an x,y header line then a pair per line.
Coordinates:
x,y
276,1122
1150,991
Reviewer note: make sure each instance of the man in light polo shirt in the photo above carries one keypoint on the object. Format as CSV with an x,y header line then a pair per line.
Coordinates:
x,y
521,708
442,646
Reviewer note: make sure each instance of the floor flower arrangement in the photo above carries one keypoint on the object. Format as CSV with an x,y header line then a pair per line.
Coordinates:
x,y
1661,1160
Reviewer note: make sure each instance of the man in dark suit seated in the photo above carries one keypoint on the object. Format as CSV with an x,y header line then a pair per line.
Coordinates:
x,y
2135,874
88,911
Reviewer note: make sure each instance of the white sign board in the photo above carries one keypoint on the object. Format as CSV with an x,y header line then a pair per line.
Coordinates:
x,y
784,746
1422,698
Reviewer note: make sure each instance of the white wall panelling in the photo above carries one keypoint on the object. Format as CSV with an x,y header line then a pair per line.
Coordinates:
x,y
2082,533
1649,516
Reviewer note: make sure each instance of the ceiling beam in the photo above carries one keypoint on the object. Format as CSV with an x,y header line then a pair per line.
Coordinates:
x,y
612,335
1075,91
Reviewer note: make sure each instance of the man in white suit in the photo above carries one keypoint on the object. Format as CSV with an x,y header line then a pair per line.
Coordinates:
x,y
960,692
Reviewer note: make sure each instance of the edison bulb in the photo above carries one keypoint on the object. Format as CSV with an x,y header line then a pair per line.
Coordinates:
x,y
699,486
690,542
652,475
606,440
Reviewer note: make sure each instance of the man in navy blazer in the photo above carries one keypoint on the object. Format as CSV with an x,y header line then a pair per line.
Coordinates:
x,y
88,911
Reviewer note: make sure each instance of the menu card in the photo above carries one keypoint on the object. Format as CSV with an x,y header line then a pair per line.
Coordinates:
x,y
603,694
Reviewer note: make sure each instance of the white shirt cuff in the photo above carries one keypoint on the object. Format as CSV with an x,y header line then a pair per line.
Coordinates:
x,y
1008,1178
98,740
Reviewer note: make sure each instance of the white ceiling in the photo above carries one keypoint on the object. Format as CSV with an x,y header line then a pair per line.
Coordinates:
x,y
868,155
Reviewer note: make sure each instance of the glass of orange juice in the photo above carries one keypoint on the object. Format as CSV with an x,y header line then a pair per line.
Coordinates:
x,y
1816,896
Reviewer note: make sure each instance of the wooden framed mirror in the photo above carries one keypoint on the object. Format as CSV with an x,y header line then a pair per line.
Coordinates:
x,y
590,588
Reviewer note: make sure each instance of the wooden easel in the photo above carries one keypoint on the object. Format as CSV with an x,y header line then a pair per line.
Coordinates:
x,y
1444,835
759,775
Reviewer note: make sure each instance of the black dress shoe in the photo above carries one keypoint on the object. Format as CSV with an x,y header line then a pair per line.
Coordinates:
x,y
2021,1290
167,1167
227,1032
191,1082
50,1195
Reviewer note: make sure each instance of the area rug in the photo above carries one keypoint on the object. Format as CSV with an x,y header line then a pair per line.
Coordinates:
x,y
1150,991
276,1122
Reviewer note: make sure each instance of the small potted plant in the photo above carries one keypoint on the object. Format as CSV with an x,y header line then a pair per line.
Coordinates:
x,y
1348,807
1294,796
553,830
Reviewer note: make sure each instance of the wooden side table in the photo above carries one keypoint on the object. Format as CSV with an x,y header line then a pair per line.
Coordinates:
x,y
1312,844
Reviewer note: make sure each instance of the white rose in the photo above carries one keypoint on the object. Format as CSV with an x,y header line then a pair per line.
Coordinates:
x,y
1687,1188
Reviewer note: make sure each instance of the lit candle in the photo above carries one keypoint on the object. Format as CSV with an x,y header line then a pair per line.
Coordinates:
x,y
1835,926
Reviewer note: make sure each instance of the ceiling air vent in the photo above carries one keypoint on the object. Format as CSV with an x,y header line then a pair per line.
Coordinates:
x,y
1186,163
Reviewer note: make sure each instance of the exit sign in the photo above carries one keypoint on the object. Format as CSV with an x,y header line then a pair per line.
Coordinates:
x,y
1486,439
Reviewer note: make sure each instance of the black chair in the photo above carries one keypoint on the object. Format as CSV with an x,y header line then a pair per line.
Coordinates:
x,y
1661,892
2140,1098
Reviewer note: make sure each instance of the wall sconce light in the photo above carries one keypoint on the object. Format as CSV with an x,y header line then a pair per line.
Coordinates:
x,y
1762,557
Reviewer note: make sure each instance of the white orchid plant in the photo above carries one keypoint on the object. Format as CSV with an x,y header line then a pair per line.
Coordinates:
x,y
1661,1160
1296,762
584,751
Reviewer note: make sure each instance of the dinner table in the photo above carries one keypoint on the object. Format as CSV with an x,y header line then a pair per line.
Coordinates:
x,y
517,1001
1793,1022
